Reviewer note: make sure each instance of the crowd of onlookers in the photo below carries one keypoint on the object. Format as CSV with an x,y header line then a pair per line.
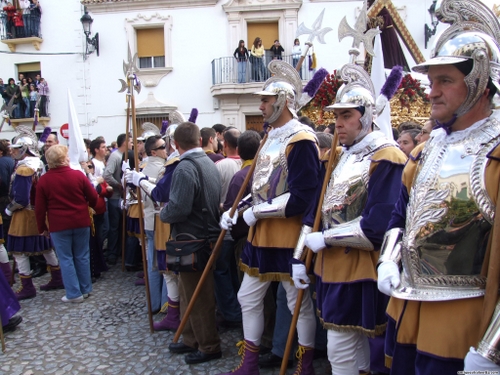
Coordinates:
x,y
22,21
30,96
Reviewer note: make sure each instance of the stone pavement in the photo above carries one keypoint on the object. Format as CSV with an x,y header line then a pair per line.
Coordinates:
x,y
106,334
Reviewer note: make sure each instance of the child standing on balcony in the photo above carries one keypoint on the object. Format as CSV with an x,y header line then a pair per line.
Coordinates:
x,y
33,99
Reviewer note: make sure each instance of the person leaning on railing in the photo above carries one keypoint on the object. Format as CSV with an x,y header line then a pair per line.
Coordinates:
x,y
257,60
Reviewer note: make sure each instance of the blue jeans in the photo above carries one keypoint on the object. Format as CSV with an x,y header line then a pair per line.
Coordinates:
x,y
242,71
115,224
72,248
226,282
157,286
27,109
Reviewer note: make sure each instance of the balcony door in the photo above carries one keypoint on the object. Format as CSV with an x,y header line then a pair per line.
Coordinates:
x,y
267,31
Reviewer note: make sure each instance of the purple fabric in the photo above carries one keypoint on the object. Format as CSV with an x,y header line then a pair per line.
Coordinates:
x,y
392,83
266,259
133,225
161,192
398,219
21,188
29,244
161,260
193,116
357,304
303,172
377,356
215,157
8,301
406,359
383,188
240,229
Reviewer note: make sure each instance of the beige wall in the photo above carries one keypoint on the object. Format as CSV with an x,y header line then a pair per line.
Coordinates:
x,y
267,31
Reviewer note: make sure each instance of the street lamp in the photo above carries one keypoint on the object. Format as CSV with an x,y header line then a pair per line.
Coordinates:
x,y
92,44
434,22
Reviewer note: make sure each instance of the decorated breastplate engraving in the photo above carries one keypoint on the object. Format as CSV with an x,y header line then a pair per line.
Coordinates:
x,y
449,218
271,170
347,190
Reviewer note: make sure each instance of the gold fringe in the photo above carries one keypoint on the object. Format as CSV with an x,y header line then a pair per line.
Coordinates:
x,y
380,329
133,234
388,361
164,308
270,276
29,254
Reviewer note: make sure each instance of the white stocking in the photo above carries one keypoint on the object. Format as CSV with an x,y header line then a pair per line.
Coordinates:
x,y
172,281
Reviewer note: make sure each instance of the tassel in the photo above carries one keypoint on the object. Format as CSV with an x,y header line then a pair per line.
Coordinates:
x,y
45,134
390,87
193,116
164,126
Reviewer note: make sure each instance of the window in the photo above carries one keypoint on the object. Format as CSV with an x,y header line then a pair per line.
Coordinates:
x,y
150,36
151,48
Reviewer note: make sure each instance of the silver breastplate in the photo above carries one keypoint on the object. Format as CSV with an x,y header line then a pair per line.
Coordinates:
x,y
347,190
449,217
271,170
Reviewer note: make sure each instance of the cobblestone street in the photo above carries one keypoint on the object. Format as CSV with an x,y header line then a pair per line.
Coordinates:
x,y
106,334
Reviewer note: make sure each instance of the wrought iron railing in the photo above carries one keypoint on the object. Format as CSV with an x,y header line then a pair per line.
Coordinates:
x,y
11,28
230,70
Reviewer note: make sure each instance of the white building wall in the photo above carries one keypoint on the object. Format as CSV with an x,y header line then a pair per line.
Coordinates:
x,y
199,35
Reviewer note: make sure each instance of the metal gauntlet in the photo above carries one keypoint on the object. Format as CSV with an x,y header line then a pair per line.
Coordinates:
x,y
489,346
298,253
391,247
348,234
14,206
245,203
274,209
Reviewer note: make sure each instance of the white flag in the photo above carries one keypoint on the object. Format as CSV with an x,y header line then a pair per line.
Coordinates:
x,y
378,79
77,151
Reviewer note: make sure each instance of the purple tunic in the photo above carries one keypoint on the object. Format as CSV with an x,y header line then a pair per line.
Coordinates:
x,y
8,301
302,179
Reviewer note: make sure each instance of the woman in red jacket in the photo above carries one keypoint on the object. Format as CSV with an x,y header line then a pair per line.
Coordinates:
x,y
63,196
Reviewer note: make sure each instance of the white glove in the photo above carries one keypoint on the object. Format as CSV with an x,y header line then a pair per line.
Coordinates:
x,y
133,177
476,362
123,204
299,274
315,241
388,277
249,217
125,166
226,222
8,212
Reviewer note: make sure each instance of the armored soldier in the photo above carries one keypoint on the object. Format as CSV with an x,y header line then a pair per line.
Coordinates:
x,y
356,210
285,177
24,239
441,228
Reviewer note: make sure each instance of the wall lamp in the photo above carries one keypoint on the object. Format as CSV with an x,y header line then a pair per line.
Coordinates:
x,y
92,44
434,22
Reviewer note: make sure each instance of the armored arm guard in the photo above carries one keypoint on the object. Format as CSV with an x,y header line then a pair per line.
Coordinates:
x,y
245,203
391,247
348,234
298,253
489,346
274,209
14,206
147,185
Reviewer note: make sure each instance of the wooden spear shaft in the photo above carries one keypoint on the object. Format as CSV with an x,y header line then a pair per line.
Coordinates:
x,y
332,159
141,214
303,57
124,197
218,245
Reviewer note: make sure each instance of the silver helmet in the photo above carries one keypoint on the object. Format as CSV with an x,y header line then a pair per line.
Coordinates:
x,y
26,141
176,118
474,35
356,92
149,129
285,83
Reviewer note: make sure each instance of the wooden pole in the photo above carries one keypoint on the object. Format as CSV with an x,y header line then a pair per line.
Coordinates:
x,y
303,57
141,213
218,244
332,159
2,339
124,196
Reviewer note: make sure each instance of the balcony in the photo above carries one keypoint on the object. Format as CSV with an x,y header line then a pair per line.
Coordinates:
x,y
28,33
232,77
